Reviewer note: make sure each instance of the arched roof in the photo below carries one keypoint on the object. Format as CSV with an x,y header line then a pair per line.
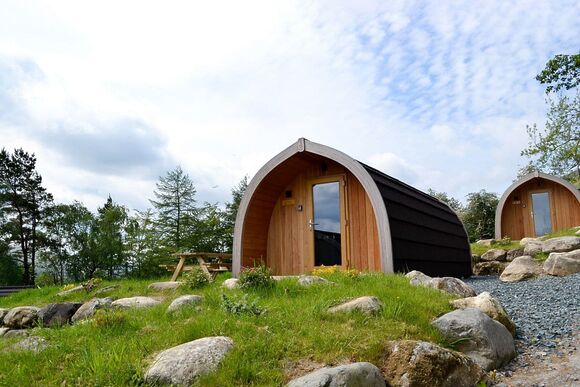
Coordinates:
x,y
525,179
363,176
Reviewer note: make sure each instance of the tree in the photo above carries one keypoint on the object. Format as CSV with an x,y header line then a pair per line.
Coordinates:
x,y
175,206
143,249
232,211
81,240
108,237
557,148
453,203
10,273
23,199
479,215
210,232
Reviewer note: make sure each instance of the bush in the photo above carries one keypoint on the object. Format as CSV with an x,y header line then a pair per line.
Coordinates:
x,y
241,306
45,279
196,278
258,277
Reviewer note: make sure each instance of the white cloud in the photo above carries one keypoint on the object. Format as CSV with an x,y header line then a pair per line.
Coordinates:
x,y
434,93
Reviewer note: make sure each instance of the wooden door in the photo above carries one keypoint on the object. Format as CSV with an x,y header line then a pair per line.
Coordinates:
x,y
327,221
542,212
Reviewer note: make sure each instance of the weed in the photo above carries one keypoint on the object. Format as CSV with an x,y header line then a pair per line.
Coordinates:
x,y
196,278
241,306
257,277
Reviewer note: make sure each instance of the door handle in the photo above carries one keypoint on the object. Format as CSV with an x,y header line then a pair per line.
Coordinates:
x,y
311,224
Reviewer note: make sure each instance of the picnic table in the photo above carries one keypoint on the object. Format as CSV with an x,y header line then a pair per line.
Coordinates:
x,y
211,263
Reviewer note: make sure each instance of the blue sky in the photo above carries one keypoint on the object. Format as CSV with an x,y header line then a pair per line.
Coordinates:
x,y
110,95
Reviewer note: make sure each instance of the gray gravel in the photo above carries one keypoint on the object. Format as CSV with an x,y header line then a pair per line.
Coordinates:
x,y
544,310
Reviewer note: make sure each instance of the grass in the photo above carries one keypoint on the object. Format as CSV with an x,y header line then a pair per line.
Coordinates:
x,y
115,347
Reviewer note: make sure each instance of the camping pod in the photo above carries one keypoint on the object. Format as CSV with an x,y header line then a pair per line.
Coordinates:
x,y
312,205
535,205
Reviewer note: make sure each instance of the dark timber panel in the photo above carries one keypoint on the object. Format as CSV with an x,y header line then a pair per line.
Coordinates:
x,y
426,234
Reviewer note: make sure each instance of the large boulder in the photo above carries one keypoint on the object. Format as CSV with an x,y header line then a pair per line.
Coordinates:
x,y
309,280
521,268
89,308
21,317
135,302
489,268
366,304
184,301
3,313
484,340
494,255
16,333
526,240
453,286
488,305
533,247
561,264
355,374
32,344
3,331
561,244
106,289
417,278
419,363
54,315
231,283
168,285
182,364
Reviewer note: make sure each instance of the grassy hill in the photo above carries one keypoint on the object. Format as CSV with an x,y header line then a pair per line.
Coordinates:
x,y
115,347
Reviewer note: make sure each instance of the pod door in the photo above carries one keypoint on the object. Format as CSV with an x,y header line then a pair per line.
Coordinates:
x,y
327,221
541,212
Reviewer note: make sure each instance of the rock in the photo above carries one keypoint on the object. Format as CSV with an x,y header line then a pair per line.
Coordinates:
x,y
489,268
533,247
16,333
21,317
230,283
89,308
561,264
475,259
183,301
135,302
69,291
485,242
32,343
54,315
494,255
561,244
309,280
182,364
355,374
514,253
527,240
484,340
488,305
577,232
3,331
520,269
453,286
169,285
367,305
419,363
106,289
283,277
3,313
417,278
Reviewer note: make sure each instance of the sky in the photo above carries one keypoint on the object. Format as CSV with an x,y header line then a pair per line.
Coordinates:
x,y
110,95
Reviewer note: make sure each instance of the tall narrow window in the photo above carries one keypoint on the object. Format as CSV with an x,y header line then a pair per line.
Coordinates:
x,y
326,224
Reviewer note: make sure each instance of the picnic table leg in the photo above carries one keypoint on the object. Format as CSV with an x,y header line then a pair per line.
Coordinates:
x,y
178,269
203,267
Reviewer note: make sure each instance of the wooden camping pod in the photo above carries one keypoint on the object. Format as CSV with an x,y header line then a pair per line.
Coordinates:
x,y
515,217
385,225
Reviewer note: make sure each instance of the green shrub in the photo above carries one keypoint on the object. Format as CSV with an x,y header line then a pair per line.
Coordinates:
x,y
196,278
258,277
241,306
45,279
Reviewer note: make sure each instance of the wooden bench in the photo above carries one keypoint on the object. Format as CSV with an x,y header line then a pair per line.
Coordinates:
x,y
211,263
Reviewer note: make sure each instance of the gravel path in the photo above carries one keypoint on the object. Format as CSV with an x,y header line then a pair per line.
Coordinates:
x,y
544,310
